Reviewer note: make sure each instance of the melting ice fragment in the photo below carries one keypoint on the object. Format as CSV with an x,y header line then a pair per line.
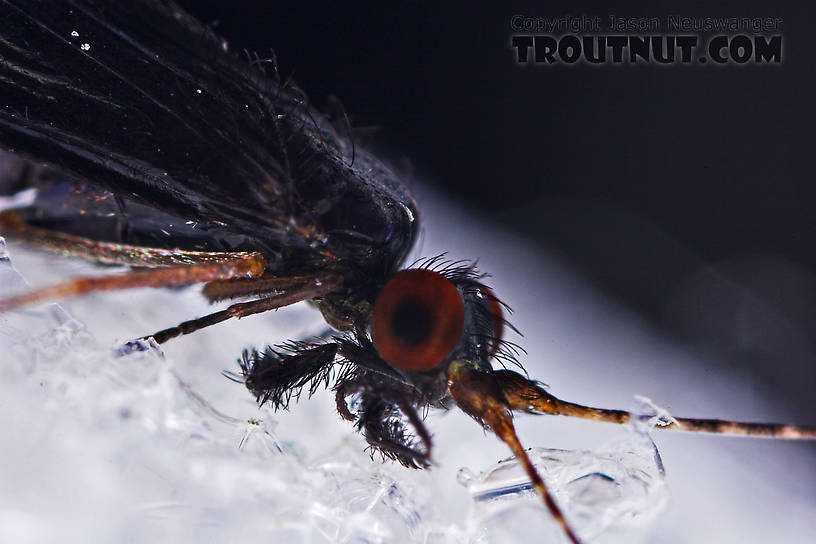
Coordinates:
x,y
622,481
32,334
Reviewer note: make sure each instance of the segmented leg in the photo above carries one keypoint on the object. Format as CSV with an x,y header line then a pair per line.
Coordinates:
x,y
377,421
313,287
280,373
422,432
526,395
219,290
342,391
249,265
12,225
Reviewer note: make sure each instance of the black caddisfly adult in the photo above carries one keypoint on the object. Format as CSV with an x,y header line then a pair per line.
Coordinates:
x,y
170,154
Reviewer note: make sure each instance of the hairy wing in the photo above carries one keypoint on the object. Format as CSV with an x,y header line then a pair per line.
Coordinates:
x,y
139,99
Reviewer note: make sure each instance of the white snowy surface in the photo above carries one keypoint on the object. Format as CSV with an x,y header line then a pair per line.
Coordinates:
x,y
158,446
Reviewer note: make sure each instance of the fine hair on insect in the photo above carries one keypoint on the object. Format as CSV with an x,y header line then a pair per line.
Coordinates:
x,y
170,154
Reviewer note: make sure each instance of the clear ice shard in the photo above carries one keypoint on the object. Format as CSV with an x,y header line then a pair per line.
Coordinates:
x,y
619,483
18,330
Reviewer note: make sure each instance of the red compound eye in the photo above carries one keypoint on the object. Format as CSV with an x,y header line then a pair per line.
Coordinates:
x,y
418,319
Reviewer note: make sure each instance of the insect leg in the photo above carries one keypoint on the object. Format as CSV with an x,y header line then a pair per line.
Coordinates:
x,y
384,431
69,245
379,417
479,395
219,290
413,417
253,265
341,391
315,287
526,395
278,373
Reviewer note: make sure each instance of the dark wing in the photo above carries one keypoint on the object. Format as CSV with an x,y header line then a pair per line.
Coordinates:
x,y
140,99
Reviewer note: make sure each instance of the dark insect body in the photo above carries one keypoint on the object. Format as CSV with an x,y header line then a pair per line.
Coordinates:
x,y
170,154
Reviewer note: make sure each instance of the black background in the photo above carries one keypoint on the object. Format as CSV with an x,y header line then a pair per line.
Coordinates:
x,y
685,193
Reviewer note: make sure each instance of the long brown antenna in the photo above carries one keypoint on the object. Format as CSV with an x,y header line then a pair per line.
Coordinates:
x,y
526,395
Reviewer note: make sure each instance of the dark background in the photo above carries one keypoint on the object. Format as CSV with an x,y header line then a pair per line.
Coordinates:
x,y
684,193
